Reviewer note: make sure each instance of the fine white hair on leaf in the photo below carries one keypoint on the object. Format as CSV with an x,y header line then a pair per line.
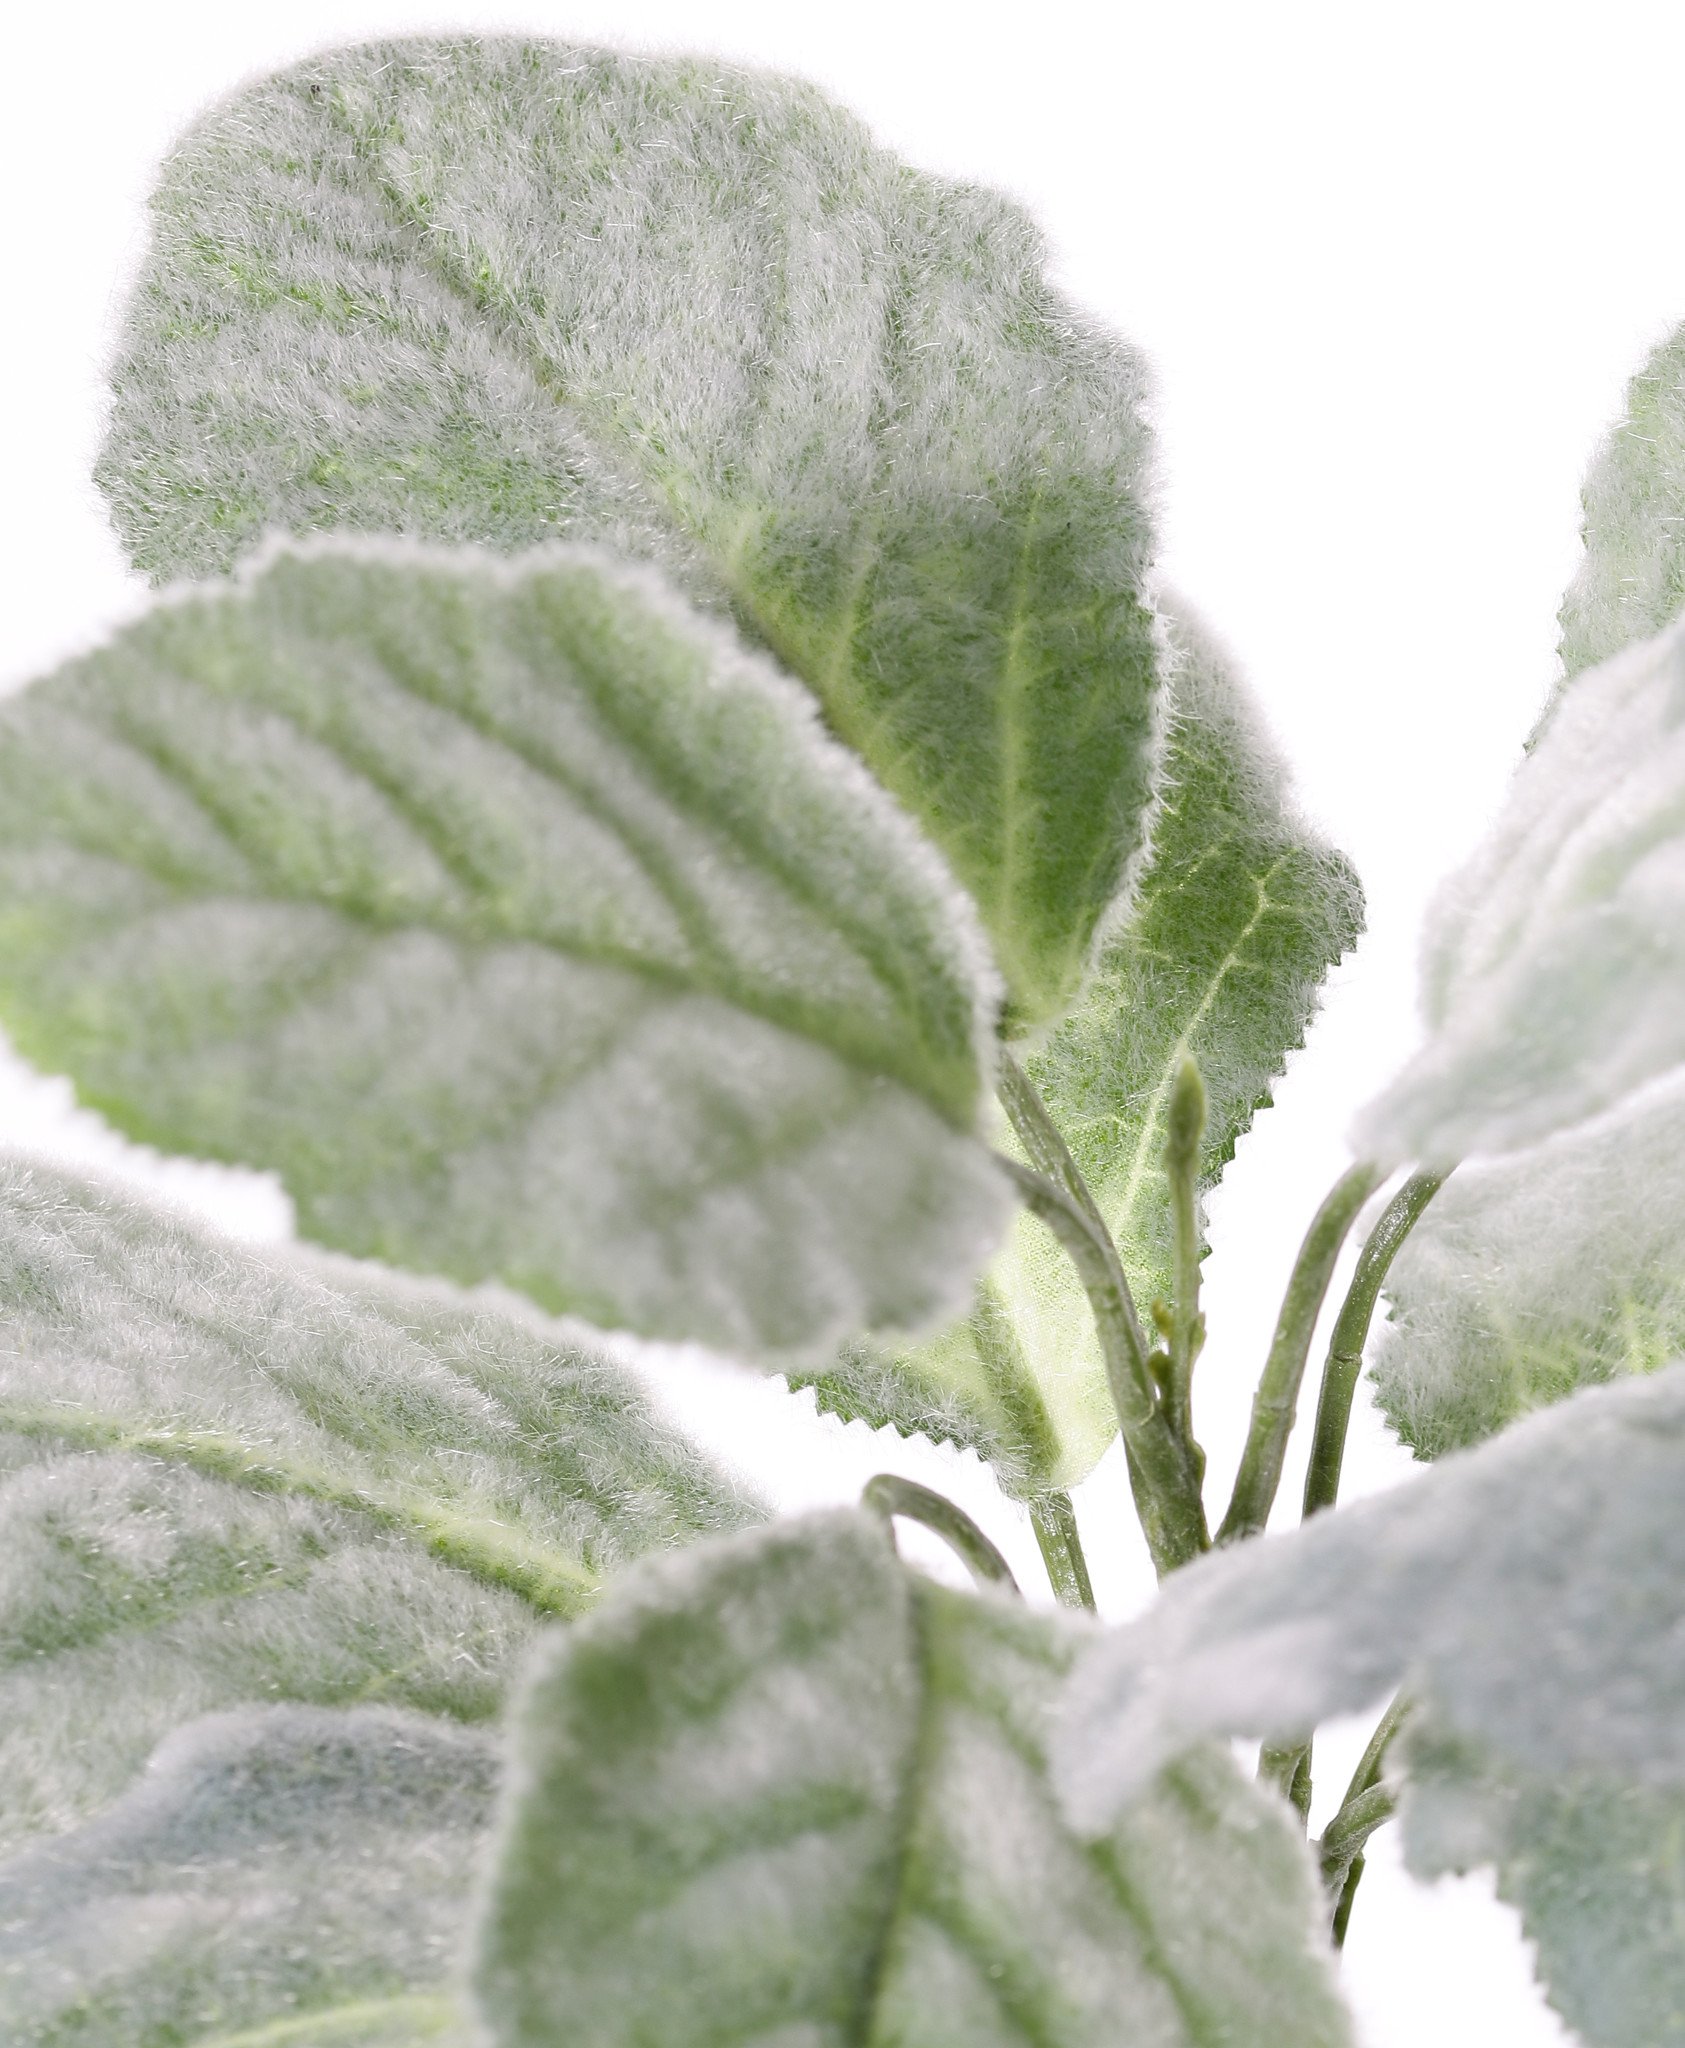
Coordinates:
x,y
1554,963
785,1779
230,1475
1242,909
527,923
1631,580
1528,1589
1591,1861
1538,1273
300,1868
503,290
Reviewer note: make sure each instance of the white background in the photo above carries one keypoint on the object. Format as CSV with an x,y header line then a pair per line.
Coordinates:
x,y
1392,265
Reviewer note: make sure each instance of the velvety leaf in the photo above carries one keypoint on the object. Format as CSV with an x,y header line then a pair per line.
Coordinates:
x,y
1631,579
1528,1589
526,923
233,1476
285,1874
502,290
1533,1275
1595,1865
784,1789
1240,913
1554,967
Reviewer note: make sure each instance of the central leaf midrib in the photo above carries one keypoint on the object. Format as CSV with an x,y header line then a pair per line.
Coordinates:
x,y
548,1580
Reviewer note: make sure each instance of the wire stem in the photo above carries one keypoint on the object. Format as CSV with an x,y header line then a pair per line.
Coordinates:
x,y
1351,1334
889,1495
1054,1520
1276,1402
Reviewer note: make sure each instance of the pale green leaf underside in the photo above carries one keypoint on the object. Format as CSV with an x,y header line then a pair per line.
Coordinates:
x,y
1595,1865
1240,913
527,924
1529,1589
783,1790
1631,579
284,1877
1554,964
231,1476
1532,1276
502,291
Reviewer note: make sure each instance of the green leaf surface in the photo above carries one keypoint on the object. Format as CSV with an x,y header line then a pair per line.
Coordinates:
x,y
1534,1275
232,1476
284,1877
504,290
1241,911
1528,1590
529,925
1595,1864
1554,962
785,1790
1631,579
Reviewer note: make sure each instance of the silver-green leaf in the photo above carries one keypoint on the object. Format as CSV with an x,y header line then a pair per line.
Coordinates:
x,y
1554,966
232,1476
1527,1589
1240,913
504,290
1536,1274
784,1789
292,1875
1631,579
1595,1864
530,926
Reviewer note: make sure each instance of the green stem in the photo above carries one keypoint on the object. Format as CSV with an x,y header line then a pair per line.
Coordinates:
x,y
1276,1401
1288,1769
1291,1766
1043,1140
1166,1487
1351,1334
889,1496
1054,1520
1342,1872
1185,1127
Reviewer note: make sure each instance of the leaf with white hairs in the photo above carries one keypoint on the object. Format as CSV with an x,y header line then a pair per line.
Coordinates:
x,y
285,1874
498,290
783,1779
529,925
1554,967
1529,1590
231,1476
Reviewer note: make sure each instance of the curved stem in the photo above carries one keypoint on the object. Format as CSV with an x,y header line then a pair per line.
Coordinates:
x,y
889,1496
1351,1828
1276,1401
1351,1334
1043,1140
1166,1487
1054,1520
1342,1872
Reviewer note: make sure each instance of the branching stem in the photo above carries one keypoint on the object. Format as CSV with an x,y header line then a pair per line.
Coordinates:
x,y
1166,1486
1276,1402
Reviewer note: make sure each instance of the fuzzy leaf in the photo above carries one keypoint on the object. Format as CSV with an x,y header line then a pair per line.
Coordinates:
x,y
1528,1589
526,923
1595,1865
1554,967
1240,914
1631,579
289,1874
503,290
1537,1274
232,1476
788,1790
